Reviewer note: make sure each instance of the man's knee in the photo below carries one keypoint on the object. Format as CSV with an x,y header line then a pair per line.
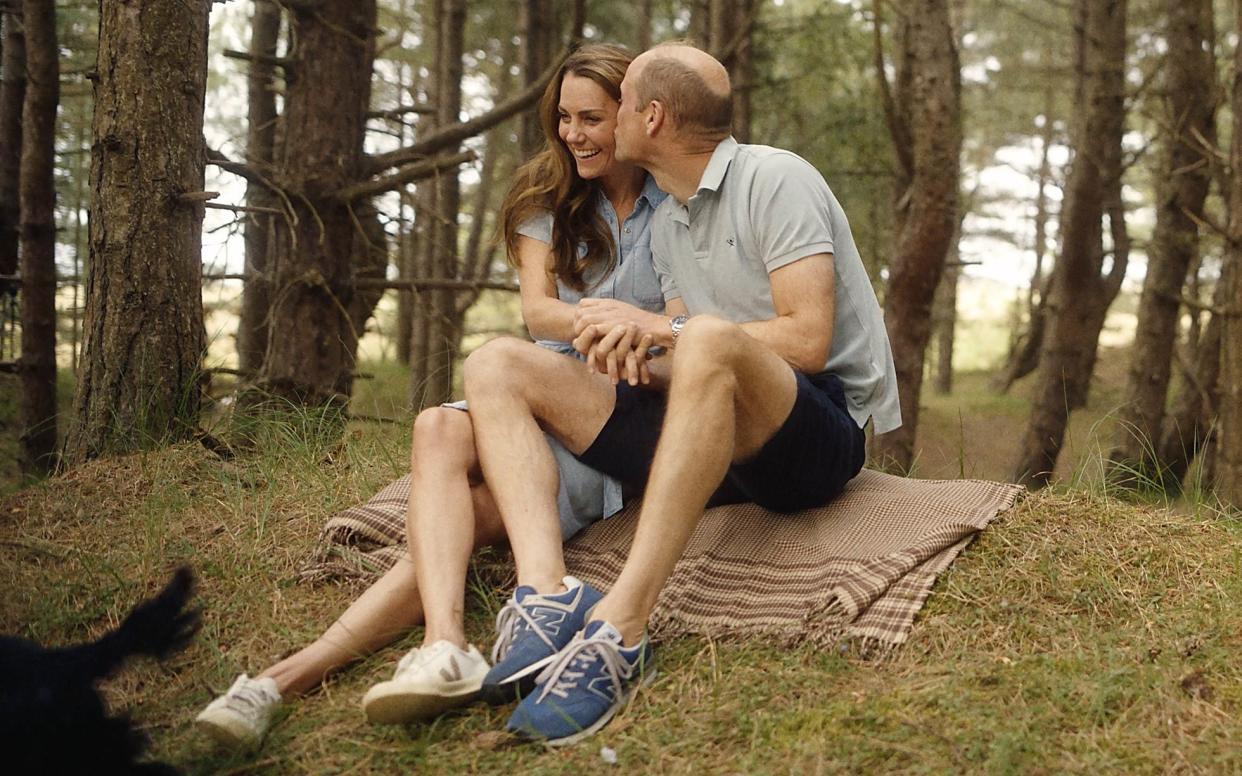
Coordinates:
x,y
707,343
442,434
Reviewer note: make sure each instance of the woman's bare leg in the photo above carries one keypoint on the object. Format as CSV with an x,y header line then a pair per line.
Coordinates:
x,y
441,543
456,513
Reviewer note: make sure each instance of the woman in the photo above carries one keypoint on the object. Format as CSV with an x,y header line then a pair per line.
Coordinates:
x,y
576,223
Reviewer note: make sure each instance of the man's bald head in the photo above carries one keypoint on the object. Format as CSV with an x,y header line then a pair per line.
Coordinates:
x,y
692,86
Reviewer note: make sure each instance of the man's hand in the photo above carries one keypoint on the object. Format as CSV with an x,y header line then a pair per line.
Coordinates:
x,y
619,351
609,313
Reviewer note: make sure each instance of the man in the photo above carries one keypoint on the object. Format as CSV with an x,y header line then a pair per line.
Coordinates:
x,y
776,356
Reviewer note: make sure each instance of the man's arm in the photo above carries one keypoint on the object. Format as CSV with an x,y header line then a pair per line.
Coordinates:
x,y
802,295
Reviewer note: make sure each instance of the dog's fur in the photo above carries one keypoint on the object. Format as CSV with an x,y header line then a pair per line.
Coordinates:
x,y
52,719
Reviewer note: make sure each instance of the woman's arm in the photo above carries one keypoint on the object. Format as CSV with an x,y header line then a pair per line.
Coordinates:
x,y
546,316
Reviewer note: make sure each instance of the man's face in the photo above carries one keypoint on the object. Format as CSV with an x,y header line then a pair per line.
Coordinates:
x,y
630,131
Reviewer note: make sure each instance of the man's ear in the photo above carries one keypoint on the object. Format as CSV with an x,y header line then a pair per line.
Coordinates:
x,y
655,118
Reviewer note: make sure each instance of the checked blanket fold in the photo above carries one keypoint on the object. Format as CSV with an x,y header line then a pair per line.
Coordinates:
x,y
859,568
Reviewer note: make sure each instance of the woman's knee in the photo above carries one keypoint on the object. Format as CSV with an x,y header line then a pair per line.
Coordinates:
x,y
494,362
443,434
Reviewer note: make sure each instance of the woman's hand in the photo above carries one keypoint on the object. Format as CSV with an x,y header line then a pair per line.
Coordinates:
x,y
605,314
620,351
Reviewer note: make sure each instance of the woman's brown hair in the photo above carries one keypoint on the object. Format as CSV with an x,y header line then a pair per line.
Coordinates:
x,y
549,182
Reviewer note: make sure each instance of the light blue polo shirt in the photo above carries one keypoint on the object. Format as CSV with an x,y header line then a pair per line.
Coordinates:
x,y
756,210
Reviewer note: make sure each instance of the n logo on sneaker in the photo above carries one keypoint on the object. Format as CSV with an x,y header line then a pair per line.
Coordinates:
x,y
549,619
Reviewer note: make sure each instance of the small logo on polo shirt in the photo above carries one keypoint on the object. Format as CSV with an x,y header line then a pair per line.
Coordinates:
x,y
730,242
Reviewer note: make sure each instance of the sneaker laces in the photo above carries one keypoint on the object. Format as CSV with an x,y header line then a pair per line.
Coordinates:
x,y
409,660
509,623
252,696
571,665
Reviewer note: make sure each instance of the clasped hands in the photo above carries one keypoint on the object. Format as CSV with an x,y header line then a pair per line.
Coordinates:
x,y
616,338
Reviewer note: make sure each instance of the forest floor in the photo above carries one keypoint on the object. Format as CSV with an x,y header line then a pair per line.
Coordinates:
x,y
1080,633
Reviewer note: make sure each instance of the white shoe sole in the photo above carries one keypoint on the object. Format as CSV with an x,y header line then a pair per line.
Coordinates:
x,y
226,732
394,702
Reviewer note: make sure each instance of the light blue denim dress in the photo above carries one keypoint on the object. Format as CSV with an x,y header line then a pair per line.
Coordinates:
x,y
585,495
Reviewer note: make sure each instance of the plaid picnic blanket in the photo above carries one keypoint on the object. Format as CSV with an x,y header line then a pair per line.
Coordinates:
x,y
858,568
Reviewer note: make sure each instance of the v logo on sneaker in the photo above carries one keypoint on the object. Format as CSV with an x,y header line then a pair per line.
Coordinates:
x,y
455,674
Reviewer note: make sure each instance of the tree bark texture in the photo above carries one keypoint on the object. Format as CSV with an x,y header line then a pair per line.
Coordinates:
x,y
252,330
1187,118
407,249
925,122
728,26
433,382
38,239
944,319
1228,475
1189,424
538,33
143,332
312,347
12,96
1081,291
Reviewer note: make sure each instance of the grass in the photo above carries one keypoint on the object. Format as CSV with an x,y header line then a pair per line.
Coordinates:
x,y
1080,633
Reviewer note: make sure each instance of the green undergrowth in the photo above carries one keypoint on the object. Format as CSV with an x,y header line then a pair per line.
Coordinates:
x,y
1080,633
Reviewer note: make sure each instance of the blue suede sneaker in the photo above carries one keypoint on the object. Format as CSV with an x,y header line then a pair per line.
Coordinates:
x,y
590,681
530,630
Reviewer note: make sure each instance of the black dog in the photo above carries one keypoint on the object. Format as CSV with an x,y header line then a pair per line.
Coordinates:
x,y
52,720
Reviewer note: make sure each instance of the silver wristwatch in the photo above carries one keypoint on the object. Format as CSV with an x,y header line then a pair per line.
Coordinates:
x,y
677,323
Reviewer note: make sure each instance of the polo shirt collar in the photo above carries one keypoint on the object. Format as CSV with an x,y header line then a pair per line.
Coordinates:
x,y
718,165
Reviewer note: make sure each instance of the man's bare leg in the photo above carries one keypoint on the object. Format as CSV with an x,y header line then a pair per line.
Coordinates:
x,y
729,395
513,387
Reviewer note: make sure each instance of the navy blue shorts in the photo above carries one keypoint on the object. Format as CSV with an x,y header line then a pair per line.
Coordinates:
x,y
805,464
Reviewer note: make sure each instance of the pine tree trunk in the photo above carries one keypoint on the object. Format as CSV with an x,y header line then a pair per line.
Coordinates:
x,y
443,321
925,114
537,31
700,27
1080,293
38,239
370,260
12,96
260,148
139,379
944,315
1188,425
407,246
742,71
1228,474
644,25
1181,187
327,95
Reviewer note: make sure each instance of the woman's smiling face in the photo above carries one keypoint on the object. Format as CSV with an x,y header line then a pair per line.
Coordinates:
x,y
588,116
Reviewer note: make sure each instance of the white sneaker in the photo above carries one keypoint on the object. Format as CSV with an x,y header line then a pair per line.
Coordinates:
x,y
428,681
239,718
